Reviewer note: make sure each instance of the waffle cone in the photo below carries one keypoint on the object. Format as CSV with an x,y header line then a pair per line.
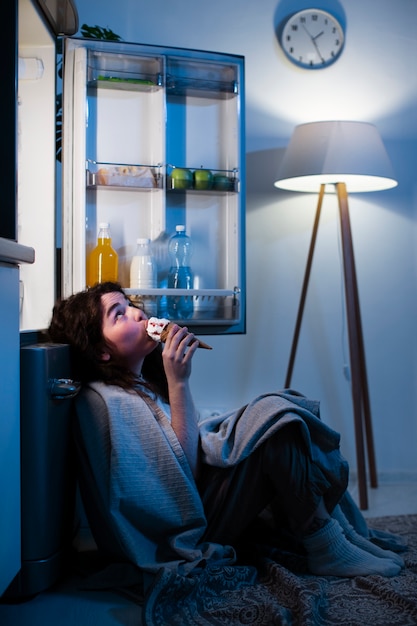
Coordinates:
x,y
164,335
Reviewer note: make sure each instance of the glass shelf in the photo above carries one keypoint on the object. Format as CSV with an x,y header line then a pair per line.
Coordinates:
x,y
124,72
180,86
195,293
211,306
187,77
124,84
123,176
219,181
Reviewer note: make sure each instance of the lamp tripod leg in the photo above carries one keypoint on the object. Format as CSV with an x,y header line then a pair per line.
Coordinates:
x,y
360,395
304,290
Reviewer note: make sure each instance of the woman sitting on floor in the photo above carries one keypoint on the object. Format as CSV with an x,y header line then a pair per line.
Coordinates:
x,y
164,489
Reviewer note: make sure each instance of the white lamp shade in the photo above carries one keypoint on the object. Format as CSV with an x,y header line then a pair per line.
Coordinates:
x,y
335,152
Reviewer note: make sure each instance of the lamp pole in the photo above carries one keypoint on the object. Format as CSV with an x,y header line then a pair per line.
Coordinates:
x,y
360,394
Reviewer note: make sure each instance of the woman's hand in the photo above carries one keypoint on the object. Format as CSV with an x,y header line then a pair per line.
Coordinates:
x,y
177,355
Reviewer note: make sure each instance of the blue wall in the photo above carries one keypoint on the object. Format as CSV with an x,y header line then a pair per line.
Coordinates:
x,y
373,81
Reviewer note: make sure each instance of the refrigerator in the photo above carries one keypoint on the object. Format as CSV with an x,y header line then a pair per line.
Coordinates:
x,y
134,116
34,421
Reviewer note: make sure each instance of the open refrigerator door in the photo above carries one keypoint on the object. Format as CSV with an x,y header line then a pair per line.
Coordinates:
x,y
134,116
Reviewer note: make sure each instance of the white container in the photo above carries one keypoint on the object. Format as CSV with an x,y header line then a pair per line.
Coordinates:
x,y
143,276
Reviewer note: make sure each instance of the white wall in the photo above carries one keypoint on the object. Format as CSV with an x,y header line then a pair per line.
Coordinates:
x,y
373,81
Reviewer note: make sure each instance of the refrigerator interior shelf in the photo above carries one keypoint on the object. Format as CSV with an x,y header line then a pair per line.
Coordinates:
x,y
146,177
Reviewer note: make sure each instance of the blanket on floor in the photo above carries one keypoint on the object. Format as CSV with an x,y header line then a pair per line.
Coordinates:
x,y
275,589
278,590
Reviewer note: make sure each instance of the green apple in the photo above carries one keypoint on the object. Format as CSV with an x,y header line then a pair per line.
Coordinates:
x,y
203,179
222,182
181,178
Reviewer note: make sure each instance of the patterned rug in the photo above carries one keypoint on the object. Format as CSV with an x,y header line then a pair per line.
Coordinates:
x,y
280,591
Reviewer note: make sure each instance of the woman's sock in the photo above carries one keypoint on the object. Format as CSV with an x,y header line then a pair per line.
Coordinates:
x,y
330,553
362,542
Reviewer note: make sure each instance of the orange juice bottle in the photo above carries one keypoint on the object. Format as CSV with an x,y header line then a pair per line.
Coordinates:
x,y
102,263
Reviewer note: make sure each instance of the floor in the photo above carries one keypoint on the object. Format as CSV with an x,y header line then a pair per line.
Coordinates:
x,y
68,606
390,498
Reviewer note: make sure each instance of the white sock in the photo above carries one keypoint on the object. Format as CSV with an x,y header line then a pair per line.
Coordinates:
x,y
329,553
362,542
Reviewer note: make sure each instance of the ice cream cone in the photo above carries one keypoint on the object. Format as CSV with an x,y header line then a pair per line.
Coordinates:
x,y
158,330
164,335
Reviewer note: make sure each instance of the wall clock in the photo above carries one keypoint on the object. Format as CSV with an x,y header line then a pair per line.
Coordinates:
x,y
312,38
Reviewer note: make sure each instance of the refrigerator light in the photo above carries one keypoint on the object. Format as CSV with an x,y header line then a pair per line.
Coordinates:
x,y
30,68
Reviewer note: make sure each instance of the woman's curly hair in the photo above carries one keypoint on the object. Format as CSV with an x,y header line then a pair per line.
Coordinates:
x,y
78,321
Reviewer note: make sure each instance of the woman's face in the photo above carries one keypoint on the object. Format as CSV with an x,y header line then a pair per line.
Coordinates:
x,y
124,331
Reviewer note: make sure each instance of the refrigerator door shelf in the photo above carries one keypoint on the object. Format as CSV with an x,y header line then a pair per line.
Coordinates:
x,y
193,87
125,84
210,306
218,180
197,293
124,71
201,78
144,177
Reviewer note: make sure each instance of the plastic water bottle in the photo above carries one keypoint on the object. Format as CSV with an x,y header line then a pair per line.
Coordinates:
x,y
143,275
102,264
180,275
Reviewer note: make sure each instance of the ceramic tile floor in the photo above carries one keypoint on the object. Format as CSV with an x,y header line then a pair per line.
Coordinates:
x,y
65,605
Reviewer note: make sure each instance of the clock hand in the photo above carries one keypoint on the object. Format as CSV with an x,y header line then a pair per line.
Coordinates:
x,y
313,39
318,51
304,26
317,36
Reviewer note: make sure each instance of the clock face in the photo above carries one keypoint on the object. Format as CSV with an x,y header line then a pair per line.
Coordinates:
x,y
312,38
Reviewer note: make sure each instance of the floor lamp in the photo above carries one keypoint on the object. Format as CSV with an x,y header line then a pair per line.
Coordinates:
x,y
340,157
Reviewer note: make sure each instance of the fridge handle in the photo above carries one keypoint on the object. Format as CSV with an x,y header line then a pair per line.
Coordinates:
x,y
63,388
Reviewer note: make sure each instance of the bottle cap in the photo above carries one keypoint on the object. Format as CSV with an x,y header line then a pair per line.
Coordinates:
x,y
103,225
180,228
142,240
